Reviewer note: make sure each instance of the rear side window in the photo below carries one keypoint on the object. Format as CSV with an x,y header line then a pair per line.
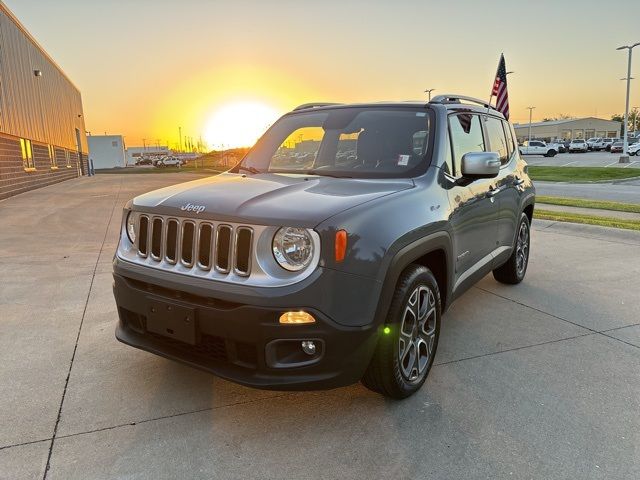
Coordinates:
x,y
466,136
510,143
497,139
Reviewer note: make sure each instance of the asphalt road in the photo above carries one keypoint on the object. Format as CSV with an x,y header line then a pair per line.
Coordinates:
x,y
589,159
627,191
538,380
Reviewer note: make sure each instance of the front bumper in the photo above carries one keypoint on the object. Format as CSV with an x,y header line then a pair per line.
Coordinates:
x,y
239,337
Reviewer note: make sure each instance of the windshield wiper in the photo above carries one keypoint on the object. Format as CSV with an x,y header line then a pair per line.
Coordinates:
x,y
321,173
248,169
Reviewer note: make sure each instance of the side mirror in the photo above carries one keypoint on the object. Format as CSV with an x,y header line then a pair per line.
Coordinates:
x,y
480,165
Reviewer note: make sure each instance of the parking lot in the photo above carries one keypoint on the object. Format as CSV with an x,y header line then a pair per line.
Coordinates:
x,y
538,380
589,159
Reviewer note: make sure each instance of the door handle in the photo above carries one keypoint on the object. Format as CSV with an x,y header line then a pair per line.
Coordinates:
x,y
493,191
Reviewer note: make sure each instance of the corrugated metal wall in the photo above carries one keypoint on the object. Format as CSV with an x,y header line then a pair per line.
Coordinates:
x,y
44,109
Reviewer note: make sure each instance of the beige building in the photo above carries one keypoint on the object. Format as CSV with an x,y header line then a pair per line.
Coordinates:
x,y
569,129
42,133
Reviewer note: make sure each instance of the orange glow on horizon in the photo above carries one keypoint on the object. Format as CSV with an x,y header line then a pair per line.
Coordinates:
x,y
231,106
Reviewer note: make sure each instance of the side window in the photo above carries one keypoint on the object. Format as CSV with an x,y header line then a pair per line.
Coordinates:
x,y
497,140
466,136
52,157
27,154
510,144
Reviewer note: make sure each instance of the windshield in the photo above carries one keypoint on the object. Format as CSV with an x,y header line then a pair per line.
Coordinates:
x,y
345,142
578,141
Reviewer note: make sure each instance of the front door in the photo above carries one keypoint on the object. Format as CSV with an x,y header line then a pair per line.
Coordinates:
x,y
474,208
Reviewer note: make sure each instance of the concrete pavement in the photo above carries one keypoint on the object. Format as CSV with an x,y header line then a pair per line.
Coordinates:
x,y
538,380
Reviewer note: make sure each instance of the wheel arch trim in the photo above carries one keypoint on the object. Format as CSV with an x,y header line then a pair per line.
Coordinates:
x,y
407,255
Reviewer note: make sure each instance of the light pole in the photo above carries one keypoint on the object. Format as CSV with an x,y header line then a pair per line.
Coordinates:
x,y
530,117
624,158
428,91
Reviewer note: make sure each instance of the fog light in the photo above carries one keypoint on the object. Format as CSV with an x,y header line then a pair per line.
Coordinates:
x,y
309,347
296,318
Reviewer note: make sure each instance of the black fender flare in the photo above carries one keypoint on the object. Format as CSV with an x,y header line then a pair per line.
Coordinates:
x,y
405,256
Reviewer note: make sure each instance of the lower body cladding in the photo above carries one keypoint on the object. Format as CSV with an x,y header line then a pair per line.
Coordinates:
x,y
239,341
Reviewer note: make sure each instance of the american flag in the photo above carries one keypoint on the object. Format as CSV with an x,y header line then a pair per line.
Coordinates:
x,y
500,89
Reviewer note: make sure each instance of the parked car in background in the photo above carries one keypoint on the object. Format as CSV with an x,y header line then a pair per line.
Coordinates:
x,y
607,143
169,162
595,144
538,147
592,142
559,145
578,145
617,147
634,149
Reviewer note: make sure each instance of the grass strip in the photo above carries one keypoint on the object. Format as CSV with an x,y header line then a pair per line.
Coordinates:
x,y
583,203
587,219
581,174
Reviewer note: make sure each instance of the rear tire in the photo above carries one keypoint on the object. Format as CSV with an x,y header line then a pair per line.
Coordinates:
x,y
551,153
514,269
404,355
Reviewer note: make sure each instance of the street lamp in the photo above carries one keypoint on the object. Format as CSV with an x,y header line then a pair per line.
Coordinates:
x,y
530,116
624,158
429,90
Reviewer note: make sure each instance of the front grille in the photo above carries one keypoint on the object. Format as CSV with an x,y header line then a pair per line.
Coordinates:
x,y
200,245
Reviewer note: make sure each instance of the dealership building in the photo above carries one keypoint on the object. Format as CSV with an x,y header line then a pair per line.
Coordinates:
x,y
568,129
42,133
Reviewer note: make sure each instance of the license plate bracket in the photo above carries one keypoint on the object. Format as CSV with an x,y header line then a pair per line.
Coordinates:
x,y
172,321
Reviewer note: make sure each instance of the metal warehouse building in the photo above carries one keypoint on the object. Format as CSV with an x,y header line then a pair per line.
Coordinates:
x,y
569,129
42,133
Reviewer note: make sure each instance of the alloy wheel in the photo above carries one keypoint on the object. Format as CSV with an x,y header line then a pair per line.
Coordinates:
x,y
522,248
417,333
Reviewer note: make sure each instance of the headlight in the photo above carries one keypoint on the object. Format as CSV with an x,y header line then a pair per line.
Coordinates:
x,y
293,248
131,227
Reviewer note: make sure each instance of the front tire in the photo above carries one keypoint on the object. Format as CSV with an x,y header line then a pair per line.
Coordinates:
x,y
515,268
407,344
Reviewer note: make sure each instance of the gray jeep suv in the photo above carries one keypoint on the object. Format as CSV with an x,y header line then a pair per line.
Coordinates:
x,y
330,252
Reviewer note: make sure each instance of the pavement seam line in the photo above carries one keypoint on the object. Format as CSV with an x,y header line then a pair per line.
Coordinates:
x,y
148,420
599,332
173,415
535,309
75,347
489,354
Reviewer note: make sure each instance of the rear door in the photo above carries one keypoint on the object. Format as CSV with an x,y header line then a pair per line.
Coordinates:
x,y
474,211
509,187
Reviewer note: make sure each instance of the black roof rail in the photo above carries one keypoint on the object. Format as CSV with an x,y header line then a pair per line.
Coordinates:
x,y
305,106
453,98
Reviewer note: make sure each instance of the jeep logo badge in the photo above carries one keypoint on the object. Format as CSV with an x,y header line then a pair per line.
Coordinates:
x,y
190,207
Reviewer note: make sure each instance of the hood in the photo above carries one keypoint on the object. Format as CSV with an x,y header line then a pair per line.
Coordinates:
x,y
267,199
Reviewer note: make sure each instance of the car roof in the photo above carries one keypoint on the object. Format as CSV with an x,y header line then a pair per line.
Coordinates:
x,y
450,102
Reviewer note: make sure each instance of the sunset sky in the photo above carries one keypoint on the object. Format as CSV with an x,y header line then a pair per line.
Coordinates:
x,y
226,69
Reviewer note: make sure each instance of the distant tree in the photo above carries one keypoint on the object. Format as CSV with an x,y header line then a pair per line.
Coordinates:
x,y
619,118
562,116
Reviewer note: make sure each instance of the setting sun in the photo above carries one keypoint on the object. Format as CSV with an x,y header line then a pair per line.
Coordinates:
x,y
239,124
